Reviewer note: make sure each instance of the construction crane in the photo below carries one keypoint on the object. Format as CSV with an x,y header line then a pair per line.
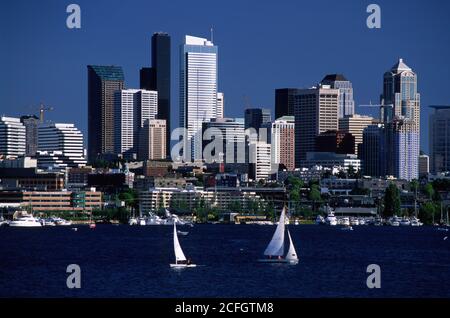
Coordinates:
x,y
42,108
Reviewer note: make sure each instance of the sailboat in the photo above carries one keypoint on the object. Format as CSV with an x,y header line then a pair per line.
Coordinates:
x,y
275,249
180,258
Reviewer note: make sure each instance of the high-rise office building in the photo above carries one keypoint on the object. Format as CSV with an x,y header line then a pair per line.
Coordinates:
x,y
439,135
401,114
152,140
337,141
355,124
285,100
198,90
133,107
315,111
373,151
147,79
255,117
424,165
283,142
12,137
103,81
161,67
60,144
260,166
31,123
220,105
346,102
230,134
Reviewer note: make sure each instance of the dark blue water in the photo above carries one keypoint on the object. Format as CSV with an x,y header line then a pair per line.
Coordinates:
x,y
124,261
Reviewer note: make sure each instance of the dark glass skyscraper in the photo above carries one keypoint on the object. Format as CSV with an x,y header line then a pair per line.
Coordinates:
x,y
103,81
160,75
31,123
255,117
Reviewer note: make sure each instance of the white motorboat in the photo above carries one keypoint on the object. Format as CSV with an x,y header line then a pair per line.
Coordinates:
x,y
405,222
395,221
354,221
345,221
416,222
25,221
48,222
62,222
320,220
183,233
142,221
331,219
133,221
362,221
180,259
275,249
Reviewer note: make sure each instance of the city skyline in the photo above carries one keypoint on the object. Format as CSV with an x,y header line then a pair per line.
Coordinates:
x,y
291,67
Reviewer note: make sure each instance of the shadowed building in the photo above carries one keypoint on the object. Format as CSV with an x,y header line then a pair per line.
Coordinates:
x,y
103,81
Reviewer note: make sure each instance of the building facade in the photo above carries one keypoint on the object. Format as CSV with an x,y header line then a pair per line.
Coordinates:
x,y
12,137
198,90
224,140
283,142
133,107
439,136
103,81
220,105
355,125
315,111
401,114
152,140
346,102
61,141
31,124
373,151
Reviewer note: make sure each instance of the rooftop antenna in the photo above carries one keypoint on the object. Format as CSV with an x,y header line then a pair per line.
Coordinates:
x,y
212,34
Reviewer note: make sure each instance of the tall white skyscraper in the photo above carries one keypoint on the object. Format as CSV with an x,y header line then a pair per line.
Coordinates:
x,y
60,144
198,90
132,108
12,137
401,114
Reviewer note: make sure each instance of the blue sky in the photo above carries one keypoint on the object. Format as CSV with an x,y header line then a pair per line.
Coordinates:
x,y
263,45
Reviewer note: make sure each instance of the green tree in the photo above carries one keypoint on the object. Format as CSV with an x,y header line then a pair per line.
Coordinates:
x,y
314,195
429,191
428,212
392,200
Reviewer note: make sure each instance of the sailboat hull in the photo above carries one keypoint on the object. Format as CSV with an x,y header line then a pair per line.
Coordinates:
x,y
182,265
280,261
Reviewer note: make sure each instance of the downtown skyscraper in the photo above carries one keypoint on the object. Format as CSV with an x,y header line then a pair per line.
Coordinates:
x,y
315,111
133,107
346,102
198,90
103,81
157,78
401,115
440,139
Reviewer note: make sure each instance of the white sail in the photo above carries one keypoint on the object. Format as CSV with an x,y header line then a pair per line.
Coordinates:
x,y
291,254
179,255
276,245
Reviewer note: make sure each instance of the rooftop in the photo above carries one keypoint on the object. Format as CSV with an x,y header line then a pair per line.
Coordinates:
x,y
108,73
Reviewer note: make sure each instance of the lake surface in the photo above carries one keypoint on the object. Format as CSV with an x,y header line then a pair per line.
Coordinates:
x,y
125,261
